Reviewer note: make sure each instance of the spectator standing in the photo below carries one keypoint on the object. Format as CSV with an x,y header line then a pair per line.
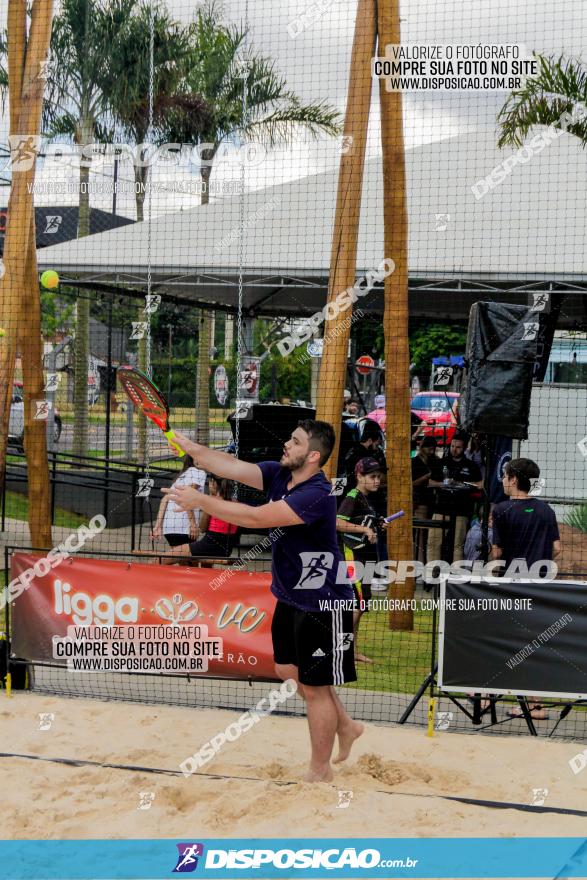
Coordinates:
x,y
451,475
370,445
422,496
525,529
474,541
357,520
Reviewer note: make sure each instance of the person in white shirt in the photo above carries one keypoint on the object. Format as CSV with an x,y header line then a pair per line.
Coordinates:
x,y
173,523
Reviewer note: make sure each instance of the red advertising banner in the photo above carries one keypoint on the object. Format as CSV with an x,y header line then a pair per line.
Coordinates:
x,y
165,612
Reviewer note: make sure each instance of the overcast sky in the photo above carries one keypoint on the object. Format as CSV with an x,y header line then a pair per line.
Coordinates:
x,y
315,66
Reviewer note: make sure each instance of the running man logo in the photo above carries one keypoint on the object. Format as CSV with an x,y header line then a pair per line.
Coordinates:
x,y
52,223
46,719
188,855
443,720
315,567
338,485
145,484
152,303
139,329
344,799
541,302
42,409
23,151
344,641
443,375
441,221
146,799
52,383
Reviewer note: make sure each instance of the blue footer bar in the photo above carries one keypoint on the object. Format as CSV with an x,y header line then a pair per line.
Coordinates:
x,y
279,857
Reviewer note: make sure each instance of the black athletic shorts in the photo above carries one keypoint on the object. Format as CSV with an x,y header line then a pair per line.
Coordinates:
x,y
319,643
174,539
213,545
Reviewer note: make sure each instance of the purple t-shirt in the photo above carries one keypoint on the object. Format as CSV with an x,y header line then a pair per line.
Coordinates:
x,y
306,557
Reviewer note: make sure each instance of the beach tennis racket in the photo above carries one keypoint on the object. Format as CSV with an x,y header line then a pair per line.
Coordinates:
x,y
148,399
356,542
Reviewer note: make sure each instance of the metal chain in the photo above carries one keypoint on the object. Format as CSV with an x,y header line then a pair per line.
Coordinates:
x,y
149,189
241,255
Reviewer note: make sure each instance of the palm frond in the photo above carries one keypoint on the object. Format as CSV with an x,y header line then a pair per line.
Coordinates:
x,y
560,88
283,123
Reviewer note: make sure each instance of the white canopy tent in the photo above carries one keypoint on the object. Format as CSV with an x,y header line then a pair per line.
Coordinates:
x,y
527,233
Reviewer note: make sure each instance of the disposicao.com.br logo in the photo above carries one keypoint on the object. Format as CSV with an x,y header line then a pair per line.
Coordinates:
x,y
285,858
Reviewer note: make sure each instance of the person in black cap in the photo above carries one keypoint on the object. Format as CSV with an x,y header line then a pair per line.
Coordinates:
x,y
358,522
369,444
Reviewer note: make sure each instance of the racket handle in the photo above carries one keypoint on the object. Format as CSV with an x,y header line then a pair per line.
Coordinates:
x,y
170,435
394,516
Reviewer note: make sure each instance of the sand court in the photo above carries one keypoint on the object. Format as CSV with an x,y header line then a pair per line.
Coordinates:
x,y
397,782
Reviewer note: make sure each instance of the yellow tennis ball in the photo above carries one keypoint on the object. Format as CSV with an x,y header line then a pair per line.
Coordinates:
x,y
2,331
50,279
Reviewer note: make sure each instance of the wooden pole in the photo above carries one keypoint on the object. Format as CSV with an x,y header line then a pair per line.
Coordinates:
x,y
9,299
19,297
343,259
35,430
395,319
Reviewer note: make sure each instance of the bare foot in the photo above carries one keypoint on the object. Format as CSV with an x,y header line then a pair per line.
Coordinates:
x,y
361,658
346,738
319,774
537,714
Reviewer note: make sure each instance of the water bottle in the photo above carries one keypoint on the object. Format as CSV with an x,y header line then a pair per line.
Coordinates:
x,y
445,477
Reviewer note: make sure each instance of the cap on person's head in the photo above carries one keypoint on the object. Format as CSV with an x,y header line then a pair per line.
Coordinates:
x,y
428,441
367,466
346,394
380,401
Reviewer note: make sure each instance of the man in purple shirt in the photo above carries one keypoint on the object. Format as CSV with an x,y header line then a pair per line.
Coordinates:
x,y
312,625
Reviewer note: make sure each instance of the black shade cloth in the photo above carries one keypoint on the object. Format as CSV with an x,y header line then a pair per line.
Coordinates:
x,y
501,352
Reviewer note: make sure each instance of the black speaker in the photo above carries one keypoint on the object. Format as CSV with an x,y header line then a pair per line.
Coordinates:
x,y
501,351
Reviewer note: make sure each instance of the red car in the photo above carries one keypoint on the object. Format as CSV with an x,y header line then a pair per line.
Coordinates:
x,y
438,409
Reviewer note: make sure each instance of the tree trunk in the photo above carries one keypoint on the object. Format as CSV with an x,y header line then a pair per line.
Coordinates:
x,y
343,259
35,430
25,61
141,174
395,321
204,344
82,323
203,380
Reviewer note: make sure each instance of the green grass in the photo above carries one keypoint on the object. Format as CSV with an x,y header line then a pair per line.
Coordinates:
x,y
402,659
577,518
17,507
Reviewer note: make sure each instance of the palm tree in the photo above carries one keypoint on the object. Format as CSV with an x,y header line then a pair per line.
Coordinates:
x,y
85,36
560,88
221,68
127,81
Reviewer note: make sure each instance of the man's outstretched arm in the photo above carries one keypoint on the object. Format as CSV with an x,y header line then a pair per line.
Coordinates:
x,y
221,463
266,516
